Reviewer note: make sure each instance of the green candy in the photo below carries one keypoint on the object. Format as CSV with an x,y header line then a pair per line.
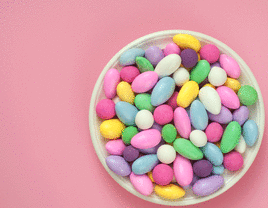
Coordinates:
x,y
200,72
187,149
144,64
169,133
143,102
230,137
247,95
128,133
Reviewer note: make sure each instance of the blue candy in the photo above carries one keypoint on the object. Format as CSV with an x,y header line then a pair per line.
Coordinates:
x,y
218,170
144,164
213,153
126,112
162,91
129,57
250,132
198,115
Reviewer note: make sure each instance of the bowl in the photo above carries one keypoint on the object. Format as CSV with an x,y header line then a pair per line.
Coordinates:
x,y
161,39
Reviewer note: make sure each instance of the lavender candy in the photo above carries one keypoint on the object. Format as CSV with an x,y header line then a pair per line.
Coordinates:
x,y
118,165
130,153
209,185
224,117
215,64
241,115
157,127
152,150
154,54
189,58
202,168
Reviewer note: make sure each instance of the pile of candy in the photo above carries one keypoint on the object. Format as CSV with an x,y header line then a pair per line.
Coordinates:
x,y
176,118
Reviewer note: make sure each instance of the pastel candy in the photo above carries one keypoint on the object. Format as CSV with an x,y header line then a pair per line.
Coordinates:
x,y
187,94
210,53
162,174
182,122
152,150
157,126
146,139
171,191
241,115
217,76
110,82
125,92
154,54
129,57
202,168
143,102
218,170
171,48
105,109
187,41
168,65
172,102
130,153
233,161
118,165
250,132
144,119
247,95
198,115
207,186
169,133
144,164
144,82
144,64
162,91
129,73
230,66
234,84
142,183
210,99
163,114
189,58
126,112
200,72
241,146
213,153
166,154
198,138
112,128
224,117
181,76
214,132
228,97
115,147
183,170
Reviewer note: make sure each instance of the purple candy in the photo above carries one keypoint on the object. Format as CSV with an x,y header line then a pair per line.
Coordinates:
x,y
195,178
224,117
157,127
207,186
130,153
118,165
152,150
215,64
154,54
241,115
202,168
189,58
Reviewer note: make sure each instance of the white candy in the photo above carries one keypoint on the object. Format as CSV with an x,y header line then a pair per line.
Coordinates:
x,y
241,146
166,154
181,76
144,119
168,65
198,138
210,99
217,76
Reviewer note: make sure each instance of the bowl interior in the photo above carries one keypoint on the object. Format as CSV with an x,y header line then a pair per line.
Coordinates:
x,y
161,39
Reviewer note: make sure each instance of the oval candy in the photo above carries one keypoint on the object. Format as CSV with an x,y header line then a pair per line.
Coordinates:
x,y
142,183
247,95
182,122
198,138
234,84
214,132
129,57
144,65
187,41
169,133
125,93
241,115
186,148
250,132
110,82
144,82
200,71
152,150
126,112
146,139
218,170
224,117
115,147
168,65
118,165
129,73
183,170
144,119
128,133
187,94
217,76
112,128
171,48
230,66
233,161
162,91
143,102
210,99
228,97
202,168
198,115
144,164
241,146
154,54
181,76
230,137
170,191
213,153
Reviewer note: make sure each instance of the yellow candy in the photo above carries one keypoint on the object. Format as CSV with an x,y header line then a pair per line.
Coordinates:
x,y
210,85
187,41
125,92
187,94
150,174
170,191
112,128
234,84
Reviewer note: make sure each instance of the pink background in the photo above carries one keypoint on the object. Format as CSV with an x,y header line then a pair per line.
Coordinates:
x,y
51,54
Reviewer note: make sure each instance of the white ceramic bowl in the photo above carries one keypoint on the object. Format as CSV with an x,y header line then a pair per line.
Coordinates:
x,y
161,39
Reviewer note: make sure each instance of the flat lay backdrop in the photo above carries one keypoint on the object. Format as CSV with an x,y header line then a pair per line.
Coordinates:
x,y
51,54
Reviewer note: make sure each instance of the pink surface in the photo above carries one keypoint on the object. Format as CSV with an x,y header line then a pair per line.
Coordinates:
x,y
51,54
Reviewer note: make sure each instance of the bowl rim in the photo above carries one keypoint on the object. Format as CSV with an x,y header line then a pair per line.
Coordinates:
x,y
157,35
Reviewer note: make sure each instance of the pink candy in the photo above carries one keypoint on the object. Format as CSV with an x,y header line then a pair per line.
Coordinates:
x,y
214,132
233,161
111,80
144,82
172,48
172,102
162,174
228,97
115,147
105,109
230,66
183,170
129,73
210,53
163,114
182,122
142,183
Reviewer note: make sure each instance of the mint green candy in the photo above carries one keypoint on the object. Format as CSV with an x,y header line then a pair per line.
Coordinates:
x,y
200,72
187,149
143,102
128,133
247,95
169,133
230,137
144,64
